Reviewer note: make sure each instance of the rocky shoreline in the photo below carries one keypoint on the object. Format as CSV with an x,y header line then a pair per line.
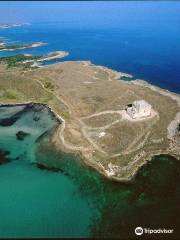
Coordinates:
x,y
68,149
146,157
58,138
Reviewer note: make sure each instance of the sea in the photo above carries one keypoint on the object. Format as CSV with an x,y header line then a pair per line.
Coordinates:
x,y
67,198
147,51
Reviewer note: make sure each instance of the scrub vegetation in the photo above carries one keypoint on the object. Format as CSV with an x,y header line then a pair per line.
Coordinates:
x,y
92,102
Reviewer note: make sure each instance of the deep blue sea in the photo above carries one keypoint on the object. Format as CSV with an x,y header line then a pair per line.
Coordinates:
x,y
149,51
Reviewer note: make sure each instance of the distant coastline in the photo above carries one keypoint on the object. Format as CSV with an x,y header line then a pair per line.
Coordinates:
x,y
8,47
6,25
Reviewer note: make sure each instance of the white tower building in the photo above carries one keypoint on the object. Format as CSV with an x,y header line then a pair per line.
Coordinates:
x,y
139,109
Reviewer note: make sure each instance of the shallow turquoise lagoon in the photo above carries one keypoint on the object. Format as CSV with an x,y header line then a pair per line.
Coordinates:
x,y
68,199
40,203
34,202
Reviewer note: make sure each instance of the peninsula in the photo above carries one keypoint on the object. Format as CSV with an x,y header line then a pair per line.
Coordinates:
x,y
28,61
91,102
14,47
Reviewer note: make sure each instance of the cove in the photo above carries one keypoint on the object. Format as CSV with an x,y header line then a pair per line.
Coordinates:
x,y
48,193
35,202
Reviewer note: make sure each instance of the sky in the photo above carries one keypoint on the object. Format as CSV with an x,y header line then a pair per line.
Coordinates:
x,y
92,13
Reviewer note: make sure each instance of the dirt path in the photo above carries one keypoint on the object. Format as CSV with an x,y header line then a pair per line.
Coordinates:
x,y
101,113
83,129
104,127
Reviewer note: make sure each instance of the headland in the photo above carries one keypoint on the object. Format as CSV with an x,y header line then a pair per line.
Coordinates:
x,y
90,101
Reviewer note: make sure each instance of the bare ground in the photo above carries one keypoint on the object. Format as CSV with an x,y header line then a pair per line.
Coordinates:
x,y
91,102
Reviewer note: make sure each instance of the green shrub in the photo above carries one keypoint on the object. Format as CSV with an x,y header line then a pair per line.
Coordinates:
x,y
49,85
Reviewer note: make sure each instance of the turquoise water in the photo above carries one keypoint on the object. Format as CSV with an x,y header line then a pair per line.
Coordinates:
x,y
67,198
40,203
24,121
35,202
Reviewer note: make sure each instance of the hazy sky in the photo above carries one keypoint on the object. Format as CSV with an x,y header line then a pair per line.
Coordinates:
x,y
88,13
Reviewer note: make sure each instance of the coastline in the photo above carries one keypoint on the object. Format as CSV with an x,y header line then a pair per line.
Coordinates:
x,y
70,149
27,46
98,166
58,138
53,55
30,61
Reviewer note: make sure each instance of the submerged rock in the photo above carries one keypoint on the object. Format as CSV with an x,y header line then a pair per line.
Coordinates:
x,y
8,122
53,169
3,157
21,135
36,118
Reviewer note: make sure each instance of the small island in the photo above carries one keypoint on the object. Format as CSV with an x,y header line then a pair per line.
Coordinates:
x,y
7,25
115,125
14,47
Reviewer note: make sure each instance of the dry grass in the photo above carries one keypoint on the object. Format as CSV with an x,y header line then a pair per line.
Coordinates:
x,y
101,120
80,90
